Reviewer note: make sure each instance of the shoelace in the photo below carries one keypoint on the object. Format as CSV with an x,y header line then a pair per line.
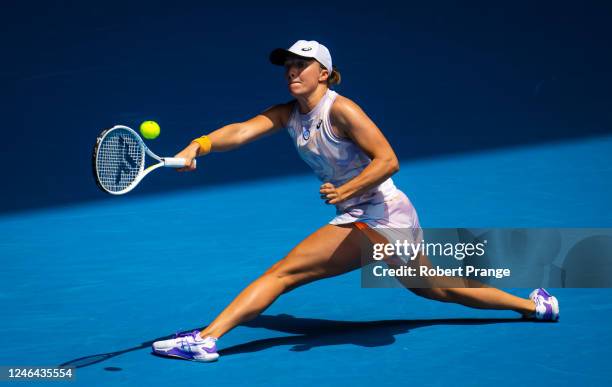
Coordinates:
x,y
184,343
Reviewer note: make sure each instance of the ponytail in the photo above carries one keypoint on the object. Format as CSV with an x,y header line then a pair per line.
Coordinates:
x,y
334,78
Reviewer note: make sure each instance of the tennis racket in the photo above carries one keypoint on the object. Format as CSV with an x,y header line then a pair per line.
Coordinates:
x,y
119,158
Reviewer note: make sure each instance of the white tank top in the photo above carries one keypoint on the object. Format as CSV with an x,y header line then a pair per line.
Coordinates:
x,y
333,159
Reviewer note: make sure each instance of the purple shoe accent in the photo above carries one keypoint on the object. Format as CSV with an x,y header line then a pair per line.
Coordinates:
x,y
193,334
548,314
547,306
542,292
176,353
191,349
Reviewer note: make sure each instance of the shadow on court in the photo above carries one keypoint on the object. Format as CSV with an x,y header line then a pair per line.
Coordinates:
x,y
311,333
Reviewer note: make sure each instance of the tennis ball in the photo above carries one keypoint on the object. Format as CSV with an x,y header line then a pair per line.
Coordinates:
x,y
149,130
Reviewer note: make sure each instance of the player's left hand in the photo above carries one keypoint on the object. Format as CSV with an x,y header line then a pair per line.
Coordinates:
x,y
331,194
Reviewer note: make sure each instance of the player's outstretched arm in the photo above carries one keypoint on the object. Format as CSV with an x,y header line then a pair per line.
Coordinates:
x,y
237,134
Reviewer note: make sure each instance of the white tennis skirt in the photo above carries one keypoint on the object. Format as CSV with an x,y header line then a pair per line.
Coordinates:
x,y
395,220
398,212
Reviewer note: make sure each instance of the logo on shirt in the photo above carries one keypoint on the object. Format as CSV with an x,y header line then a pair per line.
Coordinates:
x,y
306,134
306,48
319,124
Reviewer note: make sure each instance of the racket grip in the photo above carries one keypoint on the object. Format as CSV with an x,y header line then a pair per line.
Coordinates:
x,y
176,162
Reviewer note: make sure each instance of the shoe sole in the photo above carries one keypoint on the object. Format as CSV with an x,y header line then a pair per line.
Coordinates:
x,y
212,358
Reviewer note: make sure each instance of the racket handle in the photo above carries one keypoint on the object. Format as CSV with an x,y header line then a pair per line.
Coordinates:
x,y
176,162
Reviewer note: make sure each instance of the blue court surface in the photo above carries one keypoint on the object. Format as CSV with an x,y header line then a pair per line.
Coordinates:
x,y
92,285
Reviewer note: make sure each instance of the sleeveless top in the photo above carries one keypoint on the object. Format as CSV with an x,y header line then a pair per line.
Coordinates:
x,y
333,159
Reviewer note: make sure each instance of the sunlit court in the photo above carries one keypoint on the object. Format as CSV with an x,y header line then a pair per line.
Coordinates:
x,y
93,285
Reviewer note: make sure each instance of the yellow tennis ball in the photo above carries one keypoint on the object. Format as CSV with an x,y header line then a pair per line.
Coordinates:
x,y
149,130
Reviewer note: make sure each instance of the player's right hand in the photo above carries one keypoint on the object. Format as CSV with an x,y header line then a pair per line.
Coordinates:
x,y
189,154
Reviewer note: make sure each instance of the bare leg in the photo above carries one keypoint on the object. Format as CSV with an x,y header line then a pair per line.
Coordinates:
x,y
475,296
329,251
481,298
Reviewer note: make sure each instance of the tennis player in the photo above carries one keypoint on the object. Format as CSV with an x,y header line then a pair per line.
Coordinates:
x,y
354,161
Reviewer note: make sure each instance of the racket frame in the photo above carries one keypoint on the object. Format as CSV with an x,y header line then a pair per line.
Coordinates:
x,y
170,162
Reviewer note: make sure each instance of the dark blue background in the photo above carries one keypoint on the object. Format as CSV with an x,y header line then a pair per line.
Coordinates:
x,y
438,78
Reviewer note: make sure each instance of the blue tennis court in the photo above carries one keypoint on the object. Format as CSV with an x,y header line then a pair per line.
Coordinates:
x,y
93,284
499,114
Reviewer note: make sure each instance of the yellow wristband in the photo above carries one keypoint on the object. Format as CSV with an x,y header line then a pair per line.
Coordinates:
x,y
205,145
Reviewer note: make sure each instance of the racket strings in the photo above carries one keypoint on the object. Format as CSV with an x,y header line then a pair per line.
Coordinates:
x,y
119,161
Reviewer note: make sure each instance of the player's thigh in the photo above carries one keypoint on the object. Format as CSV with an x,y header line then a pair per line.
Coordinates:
x,y
329,251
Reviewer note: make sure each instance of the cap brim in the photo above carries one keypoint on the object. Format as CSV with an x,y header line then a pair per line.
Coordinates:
x,y
279,55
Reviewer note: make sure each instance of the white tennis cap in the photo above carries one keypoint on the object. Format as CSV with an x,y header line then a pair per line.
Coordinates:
x,y
304,49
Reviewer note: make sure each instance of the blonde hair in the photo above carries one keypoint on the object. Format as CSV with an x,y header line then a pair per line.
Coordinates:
x,y
334,77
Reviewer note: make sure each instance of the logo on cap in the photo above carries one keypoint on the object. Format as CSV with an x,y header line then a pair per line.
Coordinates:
x,y
306,48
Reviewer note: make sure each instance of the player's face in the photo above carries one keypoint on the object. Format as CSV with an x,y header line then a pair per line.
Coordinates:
x,y
302,75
